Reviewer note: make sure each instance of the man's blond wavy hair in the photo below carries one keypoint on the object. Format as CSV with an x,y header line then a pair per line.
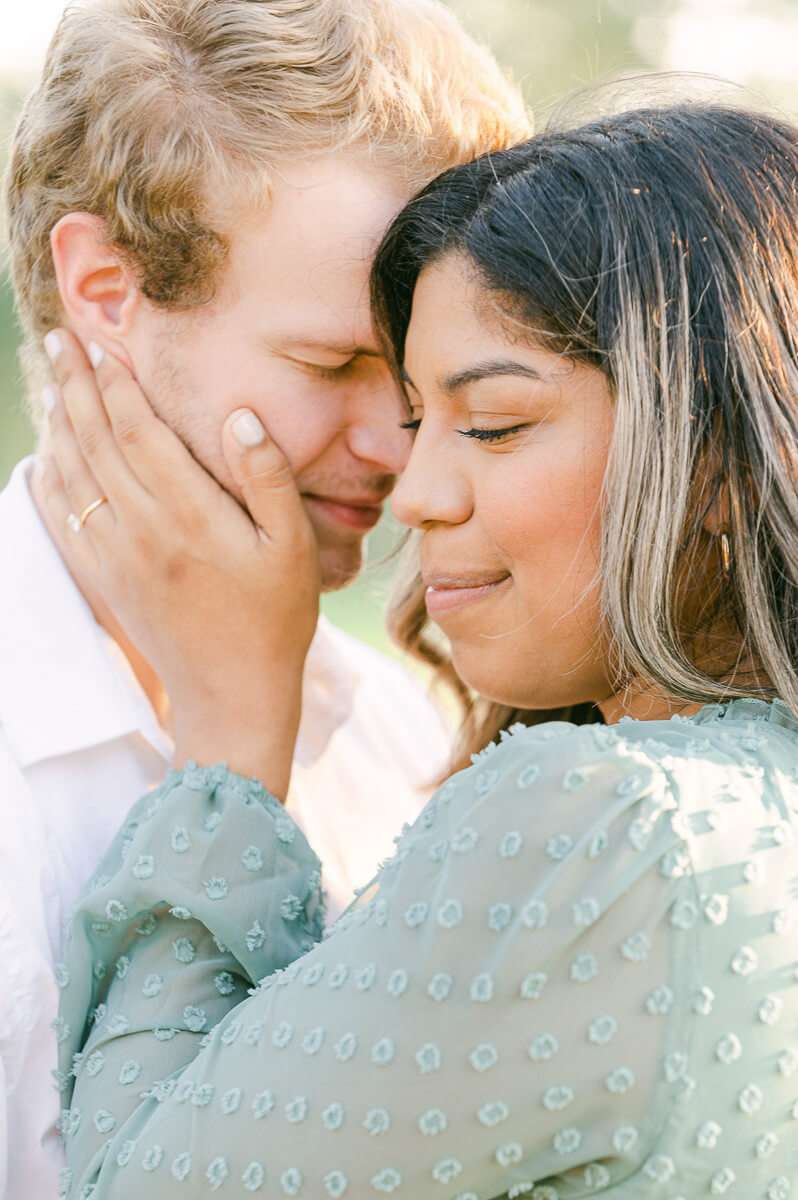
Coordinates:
x,y
164,118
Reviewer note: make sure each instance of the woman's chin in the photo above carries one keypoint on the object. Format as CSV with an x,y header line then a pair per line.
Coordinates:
x,y
481,674
517,686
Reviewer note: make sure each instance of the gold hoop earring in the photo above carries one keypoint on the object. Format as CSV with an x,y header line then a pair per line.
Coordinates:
x,y
725,553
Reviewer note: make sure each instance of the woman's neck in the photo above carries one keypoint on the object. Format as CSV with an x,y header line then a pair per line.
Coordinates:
x,y
646,702
645,705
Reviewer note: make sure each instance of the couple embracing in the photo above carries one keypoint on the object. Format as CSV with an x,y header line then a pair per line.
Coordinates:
x,y
573,362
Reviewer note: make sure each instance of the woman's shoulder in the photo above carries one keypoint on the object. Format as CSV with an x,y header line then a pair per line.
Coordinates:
x,y
547,798
746,733
746,739
569,790
559,758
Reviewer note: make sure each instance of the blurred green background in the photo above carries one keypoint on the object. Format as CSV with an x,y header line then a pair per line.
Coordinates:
x,y
551,48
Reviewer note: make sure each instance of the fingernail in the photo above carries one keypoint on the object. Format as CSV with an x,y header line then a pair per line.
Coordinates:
x,y
49,399
96,354
248,431
52,346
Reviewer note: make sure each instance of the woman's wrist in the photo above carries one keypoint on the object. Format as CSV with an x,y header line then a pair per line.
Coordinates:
x,y
257,742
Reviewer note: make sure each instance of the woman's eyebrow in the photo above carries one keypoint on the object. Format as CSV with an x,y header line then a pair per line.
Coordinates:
x,y
488,369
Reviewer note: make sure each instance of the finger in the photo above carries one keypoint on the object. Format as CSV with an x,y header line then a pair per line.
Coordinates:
x,y
78,483
58,505
159,460
265,478
88,423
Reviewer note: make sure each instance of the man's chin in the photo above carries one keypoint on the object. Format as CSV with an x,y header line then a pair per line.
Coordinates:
x,y
339,567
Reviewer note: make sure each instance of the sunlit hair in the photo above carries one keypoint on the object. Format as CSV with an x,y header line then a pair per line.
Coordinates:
x,y
164,117
660,246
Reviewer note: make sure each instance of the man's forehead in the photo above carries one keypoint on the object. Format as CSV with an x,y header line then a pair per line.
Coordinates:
x,y
311,295
316,241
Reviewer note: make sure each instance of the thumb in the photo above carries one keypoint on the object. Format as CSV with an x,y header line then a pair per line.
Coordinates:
x,y
264,476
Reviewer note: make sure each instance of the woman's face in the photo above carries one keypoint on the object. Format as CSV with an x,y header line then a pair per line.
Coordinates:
x,y
504,482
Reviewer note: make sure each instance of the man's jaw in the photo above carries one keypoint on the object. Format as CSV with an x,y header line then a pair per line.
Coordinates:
x,y
341,517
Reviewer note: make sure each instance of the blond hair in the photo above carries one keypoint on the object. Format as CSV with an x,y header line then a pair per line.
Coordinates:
x,y
155,115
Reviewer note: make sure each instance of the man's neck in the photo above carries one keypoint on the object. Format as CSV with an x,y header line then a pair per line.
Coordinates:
x,y
144,673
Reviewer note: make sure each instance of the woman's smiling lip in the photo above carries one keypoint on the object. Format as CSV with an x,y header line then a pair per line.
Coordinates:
x,y
445,593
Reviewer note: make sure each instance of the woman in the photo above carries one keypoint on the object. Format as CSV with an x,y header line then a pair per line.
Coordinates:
x,y
574,976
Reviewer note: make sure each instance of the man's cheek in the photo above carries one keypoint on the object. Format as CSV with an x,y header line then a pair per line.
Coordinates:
x,y
305,419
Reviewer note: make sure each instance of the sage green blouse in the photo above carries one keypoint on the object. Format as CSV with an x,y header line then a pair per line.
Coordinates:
x,y
577,976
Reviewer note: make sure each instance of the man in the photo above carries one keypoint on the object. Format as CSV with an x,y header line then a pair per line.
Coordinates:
x,y
199,186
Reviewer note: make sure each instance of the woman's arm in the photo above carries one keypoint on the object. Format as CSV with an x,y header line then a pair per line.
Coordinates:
x,y
484,1021
209,888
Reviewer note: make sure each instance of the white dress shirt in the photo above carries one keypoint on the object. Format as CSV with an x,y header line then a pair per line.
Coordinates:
x,y
79,742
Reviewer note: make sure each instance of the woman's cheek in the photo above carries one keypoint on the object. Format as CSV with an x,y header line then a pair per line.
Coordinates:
x,y
541,513
526,499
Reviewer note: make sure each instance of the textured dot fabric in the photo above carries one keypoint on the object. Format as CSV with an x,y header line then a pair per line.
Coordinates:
x,y
576,976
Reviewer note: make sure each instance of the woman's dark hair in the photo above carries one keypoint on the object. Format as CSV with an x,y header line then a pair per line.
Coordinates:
x,y
659,245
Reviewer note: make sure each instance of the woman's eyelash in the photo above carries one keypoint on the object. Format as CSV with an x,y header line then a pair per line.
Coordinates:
x,y
481,435
491,435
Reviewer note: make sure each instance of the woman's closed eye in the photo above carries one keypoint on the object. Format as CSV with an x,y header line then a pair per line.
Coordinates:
x,y
493,435
481,435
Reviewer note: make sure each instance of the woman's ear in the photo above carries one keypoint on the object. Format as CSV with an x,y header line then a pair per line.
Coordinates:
x,y
98,291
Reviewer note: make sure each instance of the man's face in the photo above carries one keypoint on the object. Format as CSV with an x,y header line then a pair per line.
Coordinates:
x,y
289,335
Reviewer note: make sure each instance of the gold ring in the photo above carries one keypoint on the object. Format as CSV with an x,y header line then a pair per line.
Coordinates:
x,y
76,522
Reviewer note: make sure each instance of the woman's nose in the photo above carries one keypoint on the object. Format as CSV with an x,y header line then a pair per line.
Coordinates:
x,y
432,489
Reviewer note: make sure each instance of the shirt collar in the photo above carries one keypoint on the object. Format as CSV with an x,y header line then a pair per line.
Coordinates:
x,y
64,683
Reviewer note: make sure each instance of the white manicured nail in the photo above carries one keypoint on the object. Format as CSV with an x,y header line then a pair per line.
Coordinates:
x,y
52,346
248,431
49,399
96,354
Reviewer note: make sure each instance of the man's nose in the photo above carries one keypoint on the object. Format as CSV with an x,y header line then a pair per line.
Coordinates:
x,y
432,489
376,413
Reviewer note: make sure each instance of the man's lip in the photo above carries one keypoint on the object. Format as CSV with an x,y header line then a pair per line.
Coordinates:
x,y
371,501
359,514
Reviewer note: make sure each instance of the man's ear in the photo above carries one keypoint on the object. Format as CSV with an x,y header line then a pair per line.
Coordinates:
x,y
98,291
